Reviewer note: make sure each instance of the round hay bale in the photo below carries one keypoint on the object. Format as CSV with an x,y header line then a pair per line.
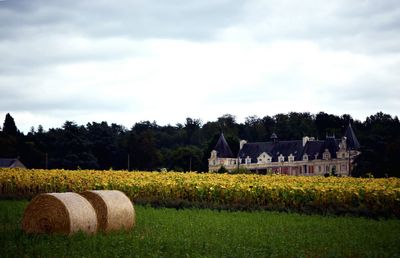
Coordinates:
x,y
113,208
64,213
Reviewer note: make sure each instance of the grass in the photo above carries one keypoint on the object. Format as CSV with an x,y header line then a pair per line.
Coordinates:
x,y
204,233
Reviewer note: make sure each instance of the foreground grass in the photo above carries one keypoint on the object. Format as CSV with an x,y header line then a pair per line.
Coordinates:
x,y
205,233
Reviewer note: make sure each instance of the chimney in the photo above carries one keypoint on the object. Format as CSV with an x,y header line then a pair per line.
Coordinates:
x,y
242,143
305,140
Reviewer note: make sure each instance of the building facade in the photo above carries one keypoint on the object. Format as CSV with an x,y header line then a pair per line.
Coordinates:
x,y
307,156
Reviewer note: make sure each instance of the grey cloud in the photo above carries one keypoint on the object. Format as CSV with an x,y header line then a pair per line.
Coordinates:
x,y
44,102
35,37
41,54
137,19
359,26
35,34
372,91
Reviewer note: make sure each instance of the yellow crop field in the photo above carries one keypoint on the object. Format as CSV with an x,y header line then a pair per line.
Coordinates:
x,y
273,192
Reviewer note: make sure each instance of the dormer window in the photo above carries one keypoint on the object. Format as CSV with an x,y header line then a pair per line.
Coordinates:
x,y
326,155
248,160
290,158
263,158
305,157
281,158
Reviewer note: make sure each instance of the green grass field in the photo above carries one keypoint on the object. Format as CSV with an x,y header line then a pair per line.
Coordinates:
x,y
205,233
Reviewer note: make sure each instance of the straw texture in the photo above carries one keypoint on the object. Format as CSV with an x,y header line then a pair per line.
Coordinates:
x,y
64,213
113,208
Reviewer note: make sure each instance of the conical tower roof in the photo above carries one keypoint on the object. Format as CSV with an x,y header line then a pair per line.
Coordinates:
x,y
352,141
222,148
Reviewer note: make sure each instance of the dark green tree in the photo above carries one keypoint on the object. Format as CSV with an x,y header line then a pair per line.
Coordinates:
x,y
68,147
9,126
186,158
104,141
8,146
192,129
141,147
327,124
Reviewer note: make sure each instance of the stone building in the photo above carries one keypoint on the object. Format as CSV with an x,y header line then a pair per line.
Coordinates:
x,y
307,156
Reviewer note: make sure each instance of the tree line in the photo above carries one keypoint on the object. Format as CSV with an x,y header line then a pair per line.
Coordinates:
x,y
186,147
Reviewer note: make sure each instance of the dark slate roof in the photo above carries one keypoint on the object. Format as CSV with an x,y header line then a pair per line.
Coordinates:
x,y
222,148
313,148
351,141
273,149
254,149
11,163
332,145
286,148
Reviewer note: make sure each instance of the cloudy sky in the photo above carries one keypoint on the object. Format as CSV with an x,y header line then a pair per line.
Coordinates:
x,y
127,61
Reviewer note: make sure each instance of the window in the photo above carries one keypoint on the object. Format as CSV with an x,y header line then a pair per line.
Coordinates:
x,y
263,158
305,157
248,160
281,158
326,155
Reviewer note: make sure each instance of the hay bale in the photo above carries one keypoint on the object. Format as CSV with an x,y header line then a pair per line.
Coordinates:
x,y
64,213
113,208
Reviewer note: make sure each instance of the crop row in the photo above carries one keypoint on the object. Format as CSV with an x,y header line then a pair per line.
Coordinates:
x,y
273,192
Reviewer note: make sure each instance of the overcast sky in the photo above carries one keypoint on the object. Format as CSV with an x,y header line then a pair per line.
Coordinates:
x,y
127,61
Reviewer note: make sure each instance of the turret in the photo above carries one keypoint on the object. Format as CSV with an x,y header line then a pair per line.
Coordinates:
x,y
351,139
222,148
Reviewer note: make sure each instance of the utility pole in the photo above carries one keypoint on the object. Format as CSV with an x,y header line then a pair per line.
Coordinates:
x,y
129,162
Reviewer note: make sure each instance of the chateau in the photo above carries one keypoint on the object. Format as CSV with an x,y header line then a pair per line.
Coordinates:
x,y
299,157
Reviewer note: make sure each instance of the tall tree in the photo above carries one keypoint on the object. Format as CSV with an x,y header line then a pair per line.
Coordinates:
x,y
192,128
328,125
70,148
104,144
380,146
141,147
9,126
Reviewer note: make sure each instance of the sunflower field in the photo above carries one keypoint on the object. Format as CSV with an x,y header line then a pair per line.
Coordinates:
x,y
346,195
